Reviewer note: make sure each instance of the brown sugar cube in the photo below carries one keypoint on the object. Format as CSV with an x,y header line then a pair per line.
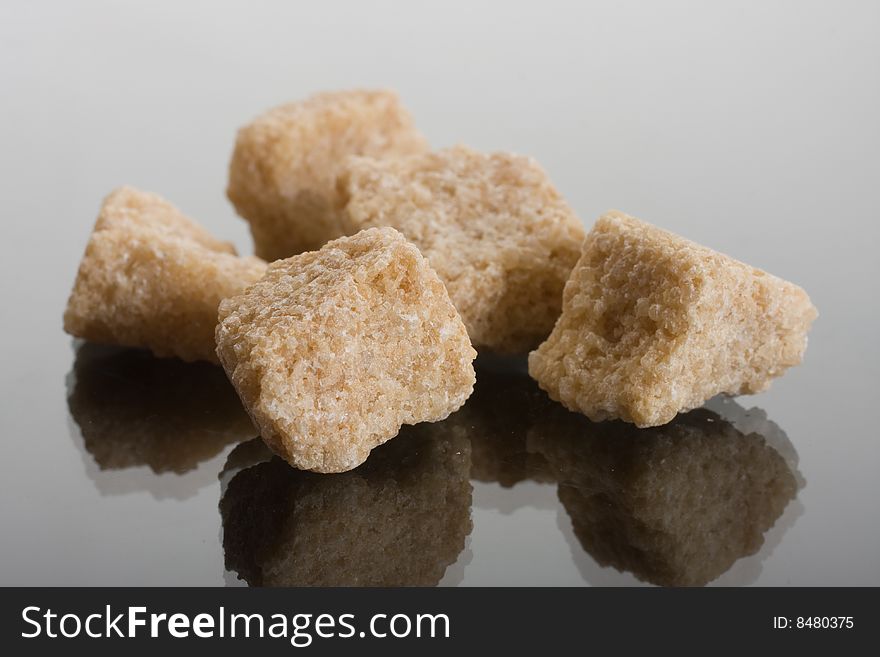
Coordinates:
x,y
333,350
400,519
675,505
282,178
653,324
494,227
128,205
151,277
134,409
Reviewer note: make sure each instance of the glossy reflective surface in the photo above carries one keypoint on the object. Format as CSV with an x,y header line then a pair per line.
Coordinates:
x,y
750,130
676,505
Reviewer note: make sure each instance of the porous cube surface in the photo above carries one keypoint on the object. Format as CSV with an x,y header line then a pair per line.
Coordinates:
x,y
152,277
333,350
494,227
282,177
400,519
653,324
127,205
676,505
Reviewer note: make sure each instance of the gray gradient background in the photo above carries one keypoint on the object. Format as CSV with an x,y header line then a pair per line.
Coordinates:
x,y
752,127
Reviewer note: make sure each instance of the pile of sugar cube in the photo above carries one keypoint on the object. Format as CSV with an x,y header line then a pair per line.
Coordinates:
x,y
381,265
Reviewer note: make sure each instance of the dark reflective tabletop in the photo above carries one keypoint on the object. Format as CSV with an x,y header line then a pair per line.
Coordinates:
x,y
513,488
677,505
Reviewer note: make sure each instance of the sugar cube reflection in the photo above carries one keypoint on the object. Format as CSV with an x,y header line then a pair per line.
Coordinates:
x,y
400,519
674,505
505,403
135,409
